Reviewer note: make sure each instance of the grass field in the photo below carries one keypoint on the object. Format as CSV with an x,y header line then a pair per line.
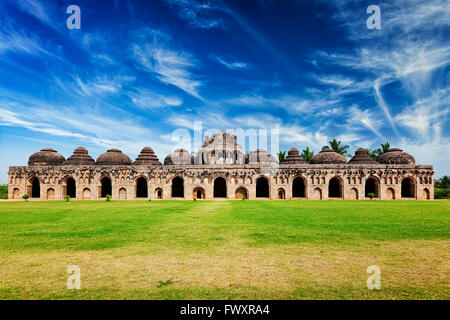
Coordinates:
x,y
225,249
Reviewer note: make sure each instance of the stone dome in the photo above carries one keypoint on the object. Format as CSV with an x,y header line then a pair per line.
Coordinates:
x,y
113,156
80,156
261,156
46,157
396,156
293,157
327,156
179,156
362,157
147,157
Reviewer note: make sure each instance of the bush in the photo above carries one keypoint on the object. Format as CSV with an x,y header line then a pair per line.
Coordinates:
x,y
3,192
67,198
25,196
108,197
371,195
441,193
243,198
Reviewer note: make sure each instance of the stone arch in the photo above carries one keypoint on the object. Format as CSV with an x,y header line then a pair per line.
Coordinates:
x,y
34,187
198,193
426,194
105,186
408,188
122,194
159,193
16,193
262,187
281,194
69,187
353,194
317,194
335,187
86,195
177,185
241,193
298,187
390,194
141,185
220,187
372,185
50,194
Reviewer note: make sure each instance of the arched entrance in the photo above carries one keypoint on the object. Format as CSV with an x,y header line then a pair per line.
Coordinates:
x,y
122,194
371,186
298,188
16,193
70,188
158,193
198,193
141,188
426,194
408,188
105,187
353,194
220,188
390,194
35,188
262,187
281,195
335,188
317,194
177,187
86,194
50,194
241,193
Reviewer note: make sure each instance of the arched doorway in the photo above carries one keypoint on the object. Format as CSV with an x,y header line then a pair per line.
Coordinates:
x,y
426,194
408,188
141,188
16,193
198,193
317,194
105,187
281,195
390,194
50,194
70,188
335,188
371,186
241,193
353,194
122,194
177,187
220,188
86,194
35,188
298,188
262,187
159,193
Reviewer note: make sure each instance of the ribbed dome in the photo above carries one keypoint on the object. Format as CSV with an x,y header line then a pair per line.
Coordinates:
x,y
179,156
261,156
45,157
327,156
113,156
396,156
362,157
293,157
80,156
147,157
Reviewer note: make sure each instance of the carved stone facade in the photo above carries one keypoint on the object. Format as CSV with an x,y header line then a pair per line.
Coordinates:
x,y
222,174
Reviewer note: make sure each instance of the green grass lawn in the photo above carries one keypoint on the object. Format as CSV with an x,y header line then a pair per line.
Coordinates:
x,y
225,249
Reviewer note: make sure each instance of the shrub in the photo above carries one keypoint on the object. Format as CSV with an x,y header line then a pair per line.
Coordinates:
x,y
108,197
441,193
243,198
66,198
371,195
195,199
25,196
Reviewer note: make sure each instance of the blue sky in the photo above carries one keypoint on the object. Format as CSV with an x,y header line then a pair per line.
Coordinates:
x,y
137,71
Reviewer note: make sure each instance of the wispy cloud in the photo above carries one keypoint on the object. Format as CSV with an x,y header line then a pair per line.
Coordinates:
x,y
199,14
148,99
232,65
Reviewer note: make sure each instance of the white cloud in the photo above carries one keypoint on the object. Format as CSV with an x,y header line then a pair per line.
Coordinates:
x,y
146,99
235,65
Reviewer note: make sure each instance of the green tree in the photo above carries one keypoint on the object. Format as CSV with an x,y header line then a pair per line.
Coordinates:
x,y
374,154
384,148
444,182
338,147
307,154
281,156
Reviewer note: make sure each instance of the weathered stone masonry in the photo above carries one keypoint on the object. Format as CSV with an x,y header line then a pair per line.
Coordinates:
x,y
220,170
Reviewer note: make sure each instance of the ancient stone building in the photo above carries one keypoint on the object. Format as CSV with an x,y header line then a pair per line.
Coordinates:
x,y
220,170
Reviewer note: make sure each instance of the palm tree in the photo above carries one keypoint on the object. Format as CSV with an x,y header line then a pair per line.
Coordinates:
x,y
384,148
338,147
307,154
281,156
444,182
374,154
